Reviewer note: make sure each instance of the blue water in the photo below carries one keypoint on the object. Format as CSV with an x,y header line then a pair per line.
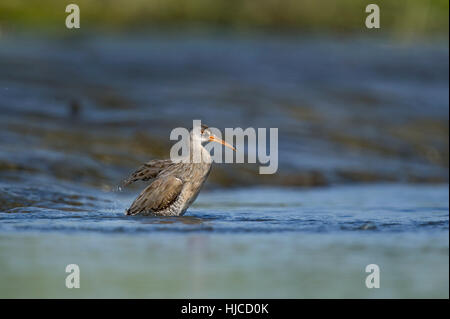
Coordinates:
x,y
383,208
257,242
362,179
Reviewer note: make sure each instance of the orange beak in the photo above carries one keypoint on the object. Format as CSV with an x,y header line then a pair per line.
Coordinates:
x,y
218,140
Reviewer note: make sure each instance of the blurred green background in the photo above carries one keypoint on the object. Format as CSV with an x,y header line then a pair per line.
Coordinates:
x,y
404,17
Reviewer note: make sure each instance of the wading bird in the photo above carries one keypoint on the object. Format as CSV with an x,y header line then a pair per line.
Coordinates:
x,y
175,186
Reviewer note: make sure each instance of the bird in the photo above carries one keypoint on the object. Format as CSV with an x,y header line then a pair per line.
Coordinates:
x,y
175,185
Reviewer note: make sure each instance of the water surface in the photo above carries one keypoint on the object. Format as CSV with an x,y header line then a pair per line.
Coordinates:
x,y
259,242
78,114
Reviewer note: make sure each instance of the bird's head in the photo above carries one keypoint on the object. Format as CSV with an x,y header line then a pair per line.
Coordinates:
x,y
207,136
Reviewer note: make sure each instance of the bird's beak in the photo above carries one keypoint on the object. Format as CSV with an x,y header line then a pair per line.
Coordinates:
x,y
218,140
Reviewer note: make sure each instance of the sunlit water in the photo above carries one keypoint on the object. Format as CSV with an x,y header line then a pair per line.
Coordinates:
x,y
232,243
78,114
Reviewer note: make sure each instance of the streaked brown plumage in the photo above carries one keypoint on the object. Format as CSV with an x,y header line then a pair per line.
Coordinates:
x,y
176,185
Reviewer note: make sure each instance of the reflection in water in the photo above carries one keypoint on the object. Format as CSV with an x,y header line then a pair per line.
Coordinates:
x,y
236,251
186,220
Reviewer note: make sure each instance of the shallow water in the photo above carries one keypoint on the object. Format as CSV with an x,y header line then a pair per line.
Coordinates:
x,y
259,242
78,114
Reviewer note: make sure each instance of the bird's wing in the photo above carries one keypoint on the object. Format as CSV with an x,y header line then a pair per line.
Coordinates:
x,y
147,171
157,196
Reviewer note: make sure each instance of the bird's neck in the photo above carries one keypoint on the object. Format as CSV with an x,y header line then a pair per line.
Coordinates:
x,y
199,154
